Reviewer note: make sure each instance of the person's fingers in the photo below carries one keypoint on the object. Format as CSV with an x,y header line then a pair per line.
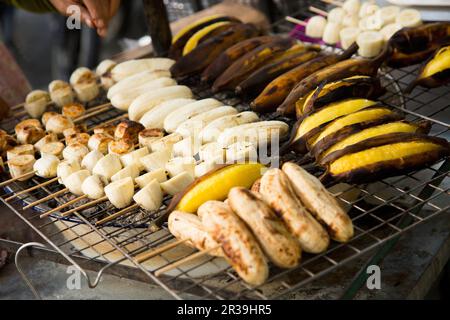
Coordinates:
x,y
86,17
99,11
114,6
102,32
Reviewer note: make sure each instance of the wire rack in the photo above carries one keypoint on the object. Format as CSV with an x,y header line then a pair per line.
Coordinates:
x,y
380,212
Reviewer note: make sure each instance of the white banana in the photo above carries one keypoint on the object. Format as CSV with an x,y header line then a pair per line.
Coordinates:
x,y
155,117
87,91
178,165
36,103
55,148
131,67
58,123
60,92
66,168
388,31
166,142
177,184
159,174
45,167
177,117
315,27
51,137
331,33
74,181
388,14
147,136
156,160
120,193
124,98
150,197
19,151
100,142
370,43
194,125
75,152
94,186
204,167
409,18
241,152
136,81
90,160
352,6
212,152
348,36
131,171
107,166
212,131
134,157
21,165
148,101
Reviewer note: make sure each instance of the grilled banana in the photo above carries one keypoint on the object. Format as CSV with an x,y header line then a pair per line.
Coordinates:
x,y
241,152
121,146
94,186
75,152
224,60
187,147
124,98
385,156
308,127
58,123
29,134
135,81
66,168
147,136
435,72
159,175
36,102
21,165
257,81
100,142
150,197
177,183
182,37
195,124
218,182
103,71
212,130
129,130
60,92
120,193
255,133
239,246
166,142
204,34
51,137
84,84
73,110
155,117
45,166
131,171
250,62
54,148
177,117
20,150
188,226
131,67
353,87
320,202
278,192
340,70
148,101
353,135
74,181
275,240
206,52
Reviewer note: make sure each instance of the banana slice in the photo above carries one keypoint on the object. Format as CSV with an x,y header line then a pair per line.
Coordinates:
x,y
352,6
131,171
155,117
350,20
120,193
29,135
177,117
147,101
124,98
73,110
46,116
108,129
107,166
188,147
336,15
193,41
90,160
51,137
21,165
45,167
58,123
409,18
60,92
94,186
104,72
194,125
120,147
136,81
389,30
315,27
150,197
147,136
156,160
212,152
82,138
100,142
131,67
177,184
178,165
388,14
53,148
87,91
81,75
331,33
36,103
204,167
348,36
66,168
134,157
159,175
166,142
75,152
241,152
74,181
212,131
370,43
20,150
374,23
368,8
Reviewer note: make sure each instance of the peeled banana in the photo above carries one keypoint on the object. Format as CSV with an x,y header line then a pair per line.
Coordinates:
x,y
370,43
147,136
90,160
409,18
177,183
134,157
75,180
60,92
131,171
159,175
36,102
103,71
107,166
45,167
21,165
155,117
120,193
165,143
179,165
315,27
150,197
75,152
66,168
155,160
94,186
136,80
131,67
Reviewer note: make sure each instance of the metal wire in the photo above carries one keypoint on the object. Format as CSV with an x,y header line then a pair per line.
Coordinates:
x,y
378,212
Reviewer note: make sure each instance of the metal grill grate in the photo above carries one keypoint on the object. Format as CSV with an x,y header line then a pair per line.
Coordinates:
x,y
380,211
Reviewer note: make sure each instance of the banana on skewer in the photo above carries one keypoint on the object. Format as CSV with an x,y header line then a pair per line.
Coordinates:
x,y
103,71
75,152
131,171
120,193
66,168
75,180
51,137
85,85
61,93
90,160
93,186
155,117
150,197
36,103
19,151
46,166
107,166
147,136
159,175
55,148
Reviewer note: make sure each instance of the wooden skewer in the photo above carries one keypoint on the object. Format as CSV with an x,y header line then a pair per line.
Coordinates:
x,y
185,260
51,196
334,2
17,106
154,252
117,214
97,111
32,188
64,205
296,21
4,183
318,11
110,121
84,206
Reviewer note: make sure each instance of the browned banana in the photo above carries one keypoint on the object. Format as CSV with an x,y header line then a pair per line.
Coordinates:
x,y
222,62
199,58
277,90
340,70
261,77
251,61
180,39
